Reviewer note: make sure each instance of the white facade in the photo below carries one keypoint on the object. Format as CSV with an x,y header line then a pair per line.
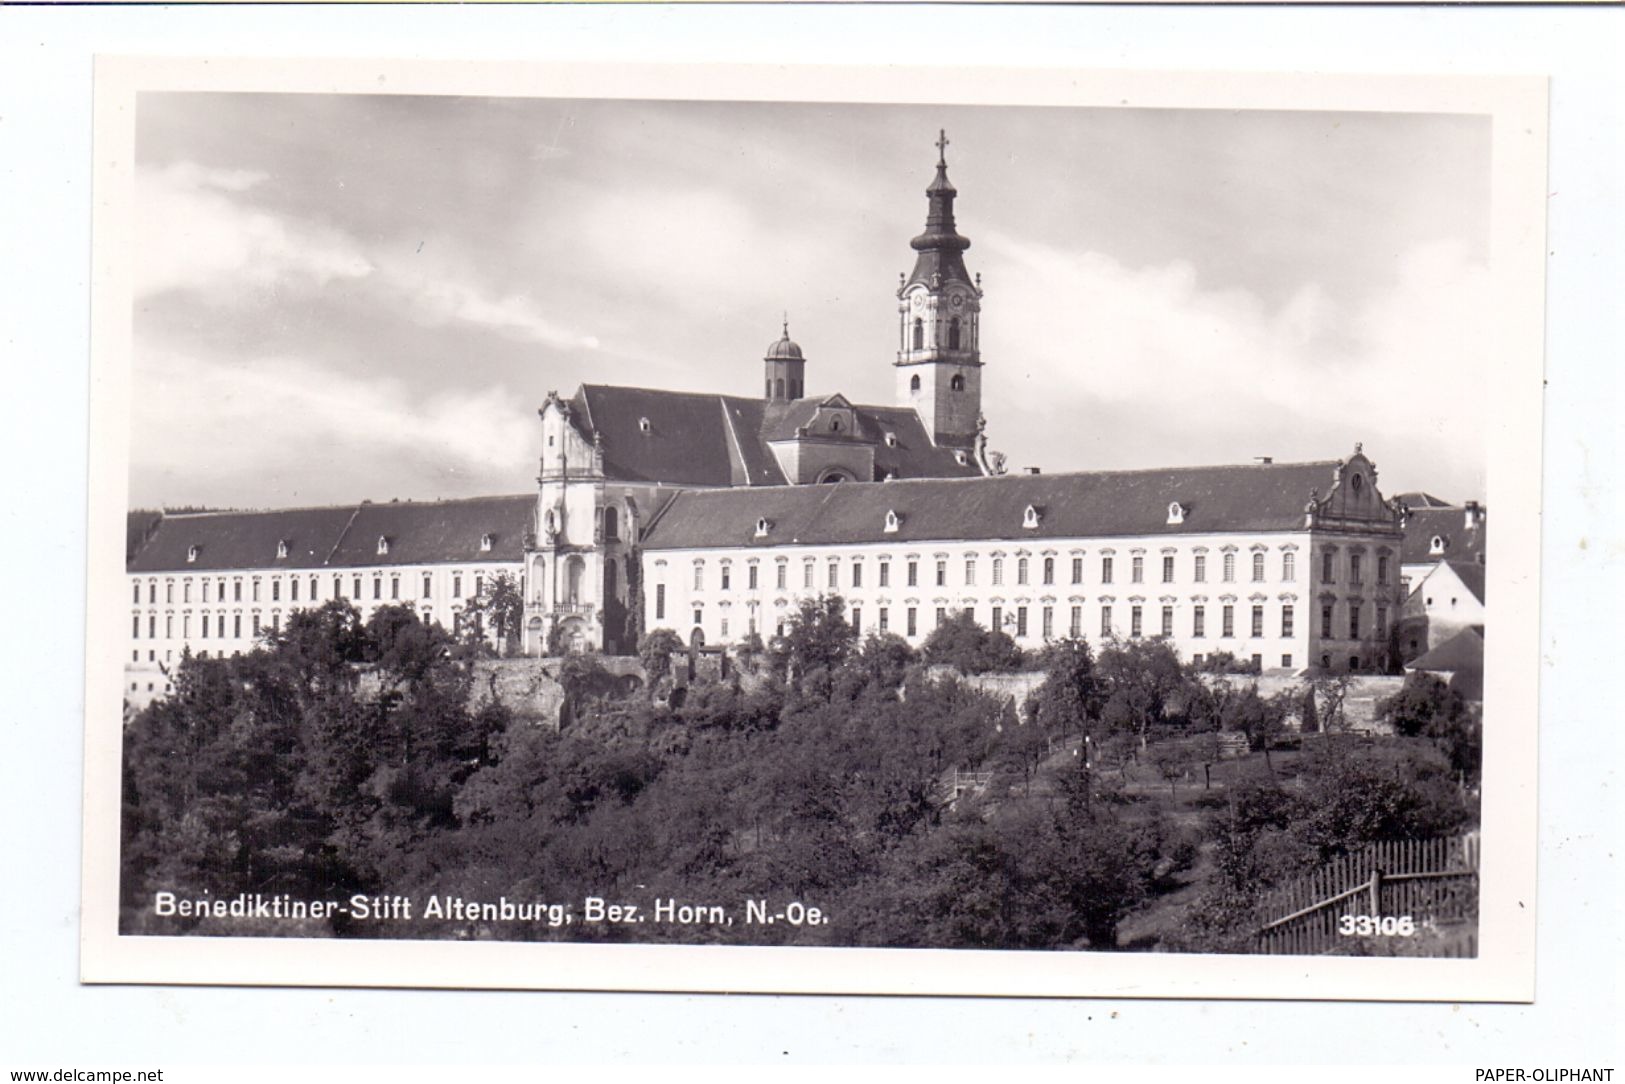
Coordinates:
x,y
1261,597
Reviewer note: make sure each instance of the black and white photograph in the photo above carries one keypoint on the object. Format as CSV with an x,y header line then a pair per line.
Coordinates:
x,y
998,529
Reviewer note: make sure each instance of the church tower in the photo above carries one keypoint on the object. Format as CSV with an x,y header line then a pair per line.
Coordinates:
x,y
785,369
939,361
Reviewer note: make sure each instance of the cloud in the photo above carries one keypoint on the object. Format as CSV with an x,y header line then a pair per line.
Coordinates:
x,y
1151,349
194,233
439,299
306,434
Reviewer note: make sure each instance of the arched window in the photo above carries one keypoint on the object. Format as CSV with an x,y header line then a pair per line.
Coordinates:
x,y
914,382
953,334
612,525
957,383
919,333
778,388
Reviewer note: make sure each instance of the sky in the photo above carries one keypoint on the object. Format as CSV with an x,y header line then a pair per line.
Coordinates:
x,y
347,297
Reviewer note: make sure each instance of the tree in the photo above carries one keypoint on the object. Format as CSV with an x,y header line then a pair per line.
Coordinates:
x,y
1071,694
1422,704
958,641
503,606
1261,719
817,637
1327,693
1143,678
655,651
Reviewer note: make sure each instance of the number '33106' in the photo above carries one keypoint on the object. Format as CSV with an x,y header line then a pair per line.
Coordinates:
x,y
1376,925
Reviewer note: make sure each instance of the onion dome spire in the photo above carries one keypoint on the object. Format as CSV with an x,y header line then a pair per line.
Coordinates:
x,y
940,247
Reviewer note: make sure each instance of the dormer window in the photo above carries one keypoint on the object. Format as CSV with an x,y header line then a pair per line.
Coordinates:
x,y
192,552
643,425
891,440
892,522
383,545
762,527
1176,512
485,543
282,547
1031,516
1436,545
961,458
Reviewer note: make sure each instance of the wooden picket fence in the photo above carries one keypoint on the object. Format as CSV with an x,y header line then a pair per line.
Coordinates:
x,y
1432,881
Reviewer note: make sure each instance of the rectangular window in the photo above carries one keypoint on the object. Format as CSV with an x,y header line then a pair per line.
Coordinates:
x,y
1354,621
1021,571
186,591
1049,570
353,594
998,571
1134,629
727,577
914,573
833,580
807,575
970,572
942,573
1289,567
913,621
857,574
1229,568
884,618
1167,568
1326,622
186,626
1199,572
1137,570
255,589
293,589
1354,568
1286,620
377,588
1049,622
457,584
857,621
1021,621
1199,621
1075,626
276,590
660,602
135,624
256,624
1382,622
1258,620
750,577
1258,661
1105,621
998,619
205,590
205,626
1167,620
1382,568
276,622
1258,568
1328,562
236,590
314,588
479,589
137,598
698,613
942,615
427,584
782,576
1077,570
722,628
394,587
237,625
1286,661
885,574
1229,616
1105,570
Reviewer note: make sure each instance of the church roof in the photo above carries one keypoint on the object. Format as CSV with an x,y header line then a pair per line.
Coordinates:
x,y
941,248
722,440
341,536
1249,498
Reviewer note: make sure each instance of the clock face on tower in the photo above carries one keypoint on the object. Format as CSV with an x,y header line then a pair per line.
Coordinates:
x,y
919,301
958,301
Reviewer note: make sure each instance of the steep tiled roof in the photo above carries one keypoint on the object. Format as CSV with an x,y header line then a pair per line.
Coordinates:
x,y
1461,544
419,532
1264,497
1462,652
722,440
1470,575
1417,499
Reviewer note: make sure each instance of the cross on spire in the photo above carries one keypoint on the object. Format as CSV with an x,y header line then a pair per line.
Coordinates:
x,y
942,146
787,323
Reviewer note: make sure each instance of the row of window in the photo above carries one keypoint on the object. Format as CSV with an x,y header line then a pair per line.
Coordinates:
x,y
217,588
1046,570
218,623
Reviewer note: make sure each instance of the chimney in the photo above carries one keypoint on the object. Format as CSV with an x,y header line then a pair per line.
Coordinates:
x,y
1035,470
1474,517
